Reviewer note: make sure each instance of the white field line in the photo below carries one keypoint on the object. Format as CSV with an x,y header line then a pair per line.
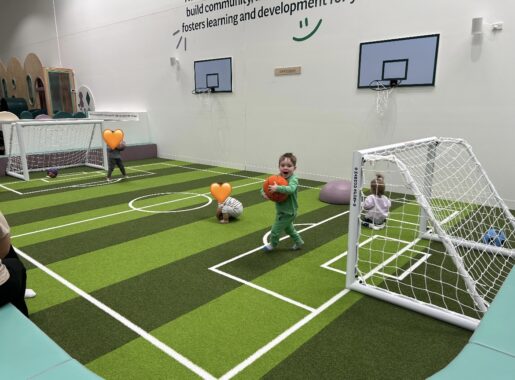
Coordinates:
x,y
265,236
130,325
12,190
264,290
102,182
71,176
284,237
336,270
260,288
133,168
405,273
158,164
280,338
408,271
327,265
110,215
378,268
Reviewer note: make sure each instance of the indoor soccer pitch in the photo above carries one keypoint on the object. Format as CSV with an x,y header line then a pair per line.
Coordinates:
x,y
136,279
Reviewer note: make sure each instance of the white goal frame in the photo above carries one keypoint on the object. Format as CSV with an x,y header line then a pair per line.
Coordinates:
x,y
53,145
428,227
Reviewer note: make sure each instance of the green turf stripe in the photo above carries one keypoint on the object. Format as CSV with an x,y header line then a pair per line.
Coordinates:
x,y
227,326
99,238
111,193
390,333
103,218
187,285
110,198
101,268
254,265
176,183
64,184
226,333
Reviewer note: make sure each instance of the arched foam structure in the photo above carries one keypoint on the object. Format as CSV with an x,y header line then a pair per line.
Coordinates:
x,y
8,116
26,115
336,192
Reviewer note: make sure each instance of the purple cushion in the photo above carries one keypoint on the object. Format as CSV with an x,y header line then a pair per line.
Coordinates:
x,y
336,192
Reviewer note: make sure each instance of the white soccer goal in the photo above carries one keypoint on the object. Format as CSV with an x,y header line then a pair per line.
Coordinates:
x,y
40,145
447,245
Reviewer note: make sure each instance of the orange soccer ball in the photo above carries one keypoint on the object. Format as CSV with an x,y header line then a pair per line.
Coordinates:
x,y
281,181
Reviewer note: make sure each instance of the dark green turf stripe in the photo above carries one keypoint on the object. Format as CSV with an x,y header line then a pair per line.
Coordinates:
x,y
253,266
371,341
66,187
78,324
112,199
159,296
51,251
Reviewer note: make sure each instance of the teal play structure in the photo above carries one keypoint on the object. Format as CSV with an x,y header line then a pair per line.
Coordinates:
x,y
490,352
28,353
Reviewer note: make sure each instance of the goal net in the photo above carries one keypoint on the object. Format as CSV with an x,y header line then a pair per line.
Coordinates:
x,y
41,145
447,244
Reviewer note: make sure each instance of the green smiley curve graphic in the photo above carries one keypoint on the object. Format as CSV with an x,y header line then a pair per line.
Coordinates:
x,y
309,35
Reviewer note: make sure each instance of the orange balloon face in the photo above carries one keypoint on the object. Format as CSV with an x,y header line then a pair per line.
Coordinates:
x,y
221,192
113,138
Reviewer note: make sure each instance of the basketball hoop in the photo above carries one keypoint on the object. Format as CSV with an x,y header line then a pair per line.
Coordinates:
x,y
383,92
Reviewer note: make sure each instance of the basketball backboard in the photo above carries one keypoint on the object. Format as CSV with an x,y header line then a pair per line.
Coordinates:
x,y
214,75
407,61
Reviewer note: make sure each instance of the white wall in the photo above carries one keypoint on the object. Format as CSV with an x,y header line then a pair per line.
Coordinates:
x,y
122,51
27,26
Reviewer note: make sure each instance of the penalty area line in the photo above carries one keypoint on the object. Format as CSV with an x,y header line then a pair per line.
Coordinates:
x,y
12,190
264,290
284,237
124,321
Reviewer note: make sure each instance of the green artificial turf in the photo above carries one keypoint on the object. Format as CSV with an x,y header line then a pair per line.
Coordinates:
x,y
375,340
153,269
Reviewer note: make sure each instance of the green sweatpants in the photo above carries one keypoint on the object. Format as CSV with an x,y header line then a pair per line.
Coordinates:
x,y
284,222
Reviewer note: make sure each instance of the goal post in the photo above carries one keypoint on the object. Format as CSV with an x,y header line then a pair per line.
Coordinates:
x,y
447,244
41,145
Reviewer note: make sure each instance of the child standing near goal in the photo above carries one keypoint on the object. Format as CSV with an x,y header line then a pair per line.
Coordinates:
x,y
377,205
286,211
115,159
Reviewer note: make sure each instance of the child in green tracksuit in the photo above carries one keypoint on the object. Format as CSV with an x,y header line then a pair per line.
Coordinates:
x,y
286,211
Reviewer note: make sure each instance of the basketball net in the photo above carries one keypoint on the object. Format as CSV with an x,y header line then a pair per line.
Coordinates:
x,y
383,93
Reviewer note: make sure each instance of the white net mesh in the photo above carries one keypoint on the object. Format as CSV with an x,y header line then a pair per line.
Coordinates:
x,y
37,146
448,241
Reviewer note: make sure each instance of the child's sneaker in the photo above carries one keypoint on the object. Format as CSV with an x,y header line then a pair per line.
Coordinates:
x,y
29,293
297,246
125,176
267,248
108,179
378,227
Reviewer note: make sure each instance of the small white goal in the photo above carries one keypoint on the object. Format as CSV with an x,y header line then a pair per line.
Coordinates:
x,y
41,145
447,245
